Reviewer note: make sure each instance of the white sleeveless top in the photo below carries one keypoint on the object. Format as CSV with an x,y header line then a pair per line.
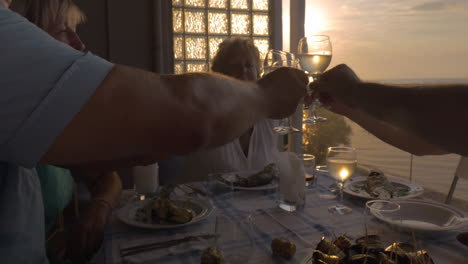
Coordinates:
x,y
230,157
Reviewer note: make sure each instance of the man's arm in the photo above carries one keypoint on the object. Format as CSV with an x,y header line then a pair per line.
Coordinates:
x,y
437,114
137,115
392,135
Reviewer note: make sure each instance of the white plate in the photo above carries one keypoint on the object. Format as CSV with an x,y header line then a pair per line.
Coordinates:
x,y
351,187
202,209
231,176
419,215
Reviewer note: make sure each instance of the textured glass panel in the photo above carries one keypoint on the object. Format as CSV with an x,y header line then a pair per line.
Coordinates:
x,y
239,4
177,2
177,20
197,67
263,46
217,23
195,48
197,3
260,5
178,67
194,22
178,48
214,42
240,24
218,3
260,24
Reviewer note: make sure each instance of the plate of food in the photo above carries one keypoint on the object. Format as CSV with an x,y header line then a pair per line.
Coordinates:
x,y
377,186
426,216
164,213
265,179
366,249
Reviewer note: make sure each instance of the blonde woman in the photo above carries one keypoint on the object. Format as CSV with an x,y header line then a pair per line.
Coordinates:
x,y
255,148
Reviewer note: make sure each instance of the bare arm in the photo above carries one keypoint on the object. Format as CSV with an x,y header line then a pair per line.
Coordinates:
x,y
389,134
136,115
437,114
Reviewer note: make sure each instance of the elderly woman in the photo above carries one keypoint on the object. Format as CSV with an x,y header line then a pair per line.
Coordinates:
x,y
60,18
238,58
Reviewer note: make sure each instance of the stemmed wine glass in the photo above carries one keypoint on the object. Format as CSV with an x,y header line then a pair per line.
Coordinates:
x,y
275,59
314,53
341,163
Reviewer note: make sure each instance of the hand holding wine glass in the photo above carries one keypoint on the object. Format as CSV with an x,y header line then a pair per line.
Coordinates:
x,y
275,59
341,163
315,54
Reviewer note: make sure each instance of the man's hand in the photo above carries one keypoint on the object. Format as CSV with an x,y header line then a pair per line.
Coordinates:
x,y
336,86
283,89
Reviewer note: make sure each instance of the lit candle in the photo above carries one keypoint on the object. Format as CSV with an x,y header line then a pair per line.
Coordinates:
x,y
344,173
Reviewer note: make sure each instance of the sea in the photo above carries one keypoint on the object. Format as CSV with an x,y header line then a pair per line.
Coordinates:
x,y
434,173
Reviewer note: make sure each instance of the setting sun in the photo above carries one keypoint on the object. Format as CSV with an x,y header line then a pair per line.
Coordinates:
x,y
315,20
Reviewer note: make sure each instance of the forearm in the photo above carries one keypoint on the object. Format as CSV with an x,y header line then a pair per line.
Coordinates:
x,y
102,185
437,114
135,113
395,136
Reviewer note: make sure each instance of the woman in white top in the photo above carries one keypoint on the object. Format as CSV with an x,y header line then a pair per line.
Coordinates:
x,y
238,58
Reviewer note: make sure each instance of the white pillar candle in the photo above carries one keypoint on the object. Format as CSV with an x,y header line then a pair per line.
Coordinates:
x,y
146,178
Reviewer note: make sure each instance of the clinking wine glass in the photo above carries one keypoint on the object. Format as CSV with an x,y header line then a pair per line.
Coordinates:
x,y
315,54
341,164
275,59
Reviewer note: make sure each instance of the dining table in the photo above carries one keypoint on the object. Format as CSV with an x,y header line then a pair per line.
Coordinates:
x,y
304,227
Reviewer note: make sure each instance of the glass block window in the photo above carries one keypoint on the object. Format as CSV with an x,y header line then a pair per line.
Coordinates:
x,y
200,25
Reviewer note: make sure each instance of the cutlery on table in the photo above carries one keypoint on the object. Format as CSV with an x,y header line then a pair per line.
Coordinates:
x,y
133,250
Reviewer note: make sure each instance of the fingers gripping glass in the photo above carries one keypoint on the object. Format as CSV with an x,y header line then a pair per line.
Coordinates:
x,y
275,59
315,54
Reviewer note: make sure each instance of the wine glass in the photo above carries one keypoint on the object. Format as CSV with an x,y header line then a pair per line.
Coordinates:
x,y
375,230
315,54
275,59
341,163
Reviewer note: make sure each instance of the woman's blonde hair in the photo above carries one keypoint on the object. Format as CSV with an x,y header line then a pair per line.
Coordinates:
x,y
44,13
225,53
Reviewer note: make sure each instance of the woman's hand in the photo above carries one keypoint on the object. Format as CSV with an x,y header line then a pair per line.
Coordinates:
x,y
86,236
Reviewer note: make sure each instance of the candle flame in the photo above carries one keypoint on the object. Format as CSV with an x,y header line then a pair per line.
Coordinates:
x,y
344,173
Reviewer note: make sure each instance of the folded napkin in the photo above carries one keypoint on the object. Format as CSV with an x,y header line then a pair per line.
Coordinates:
x,y
184,247
292,176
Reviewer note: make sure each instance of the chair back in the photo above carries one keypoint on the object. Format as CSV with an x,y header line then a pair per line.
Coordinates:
x,y
462,169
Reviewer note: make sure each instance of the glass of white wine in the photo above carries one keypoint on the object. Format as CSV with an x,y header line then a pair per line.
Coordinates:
x,y
275,59
341,164
315,54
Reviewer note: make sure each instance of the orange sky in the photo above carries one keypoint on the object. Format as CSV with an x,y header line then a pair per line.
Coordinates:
x,y
395,39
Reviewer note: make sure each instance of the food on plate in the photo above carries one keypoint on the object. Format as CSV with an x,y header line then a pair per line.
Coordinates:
x,y
162,210
283,248
260,178
366,250
212,255
377,185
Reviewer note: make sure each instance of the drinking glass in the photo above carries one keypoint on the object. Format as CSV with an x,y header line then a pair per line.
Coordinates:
x,y
275,59
315,54
341,163
232,235
309,167
383,209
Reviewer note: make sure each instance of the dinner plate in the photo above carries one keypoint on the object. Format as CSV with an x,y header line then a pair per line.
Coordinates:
x,y
420,215
227,178
201,209
405,189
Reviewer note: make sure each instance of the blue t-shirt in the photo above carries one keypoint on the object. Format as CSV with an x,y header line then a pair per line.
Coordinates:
x,y
43,85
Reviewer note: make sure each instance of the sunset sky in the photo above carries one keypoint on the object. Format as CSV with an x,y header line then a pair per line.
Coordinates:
x,y
395,39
